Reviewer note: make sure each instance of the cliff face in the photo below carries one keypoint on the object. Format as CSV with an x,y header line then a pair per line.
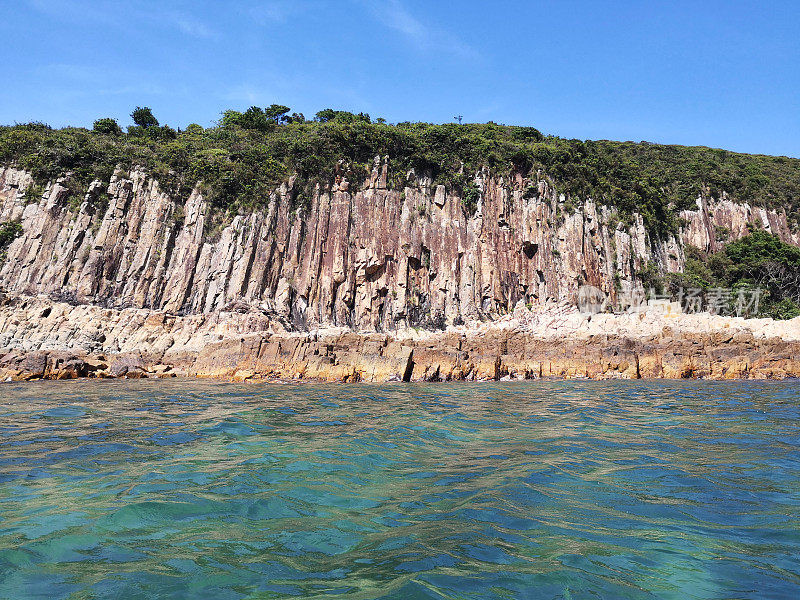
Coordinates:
x,y
369,259
715,223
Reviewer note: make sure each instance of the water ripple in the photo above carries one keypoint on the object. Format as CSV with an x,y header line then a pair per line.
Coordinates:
x,y
503,490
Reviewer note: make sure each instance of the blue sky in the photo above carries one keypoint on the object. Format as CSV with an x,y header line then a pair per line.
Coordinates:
x,y
706,72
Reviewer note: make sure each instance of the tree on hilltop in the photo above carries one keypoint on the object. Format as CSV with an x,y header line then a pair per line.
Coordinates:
x,y
143,117
259,119
276,113
107,126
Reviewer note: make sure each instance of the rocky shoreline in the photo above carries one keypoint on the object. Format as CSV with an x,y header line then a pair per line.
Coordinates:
x,y
45,339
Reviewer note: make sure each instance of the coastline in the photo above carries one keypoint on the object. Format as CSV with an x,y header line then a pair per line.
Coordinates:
x,y
43,339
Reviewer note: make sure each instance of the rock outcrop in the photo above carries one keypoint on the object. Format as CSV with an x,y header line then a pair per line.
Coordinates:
x,y
50,340
715,223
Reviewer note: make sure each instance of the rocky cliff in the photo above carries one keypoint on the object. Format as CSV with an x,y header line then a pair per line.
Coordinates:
x,y
361,257
367,257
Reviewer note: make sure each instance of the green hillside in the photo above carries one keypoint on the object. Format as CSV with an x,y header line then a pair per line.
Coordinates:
x,y
242,159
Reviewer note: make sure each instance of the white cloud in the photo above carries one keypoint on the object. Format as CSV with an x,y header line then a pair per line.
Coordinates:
x,y
120,14
395,15
275,11
188,25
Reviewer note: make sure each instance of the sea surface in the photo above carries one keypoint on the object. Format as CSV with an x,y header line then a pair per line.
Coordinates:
x,y
186,489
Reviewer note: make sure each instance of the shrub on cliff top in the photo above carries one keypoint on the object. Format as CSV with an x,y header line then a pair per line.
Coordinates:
x,y
107,126
143,117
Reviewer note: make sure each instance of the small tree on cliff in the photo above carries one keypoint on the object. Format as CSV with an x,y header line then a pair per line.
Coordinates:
x,y
143,117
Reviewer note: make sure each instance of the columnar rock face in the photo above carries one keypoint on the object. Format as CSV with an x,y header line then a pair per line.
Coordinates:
x,y
361,256
714,224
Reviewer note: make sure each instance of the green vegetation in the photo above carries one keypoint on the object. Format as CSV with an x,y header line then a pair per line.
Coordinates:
x,y
243,158
469,197
107,126
143,117
9,231
33,193
759,260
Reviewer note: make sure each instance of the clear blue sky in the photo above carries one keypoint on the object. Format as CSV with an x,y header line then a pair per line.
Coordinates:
x,y
706,72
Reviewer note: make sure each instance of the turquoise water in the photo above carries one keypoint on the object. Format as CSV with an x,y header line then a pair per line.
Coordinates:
x,y
522,490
